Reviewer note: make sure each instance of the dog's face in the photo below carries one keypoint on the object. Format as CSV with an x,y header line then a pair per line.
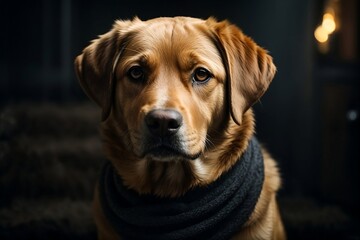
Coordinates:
x,y
172,83
170,80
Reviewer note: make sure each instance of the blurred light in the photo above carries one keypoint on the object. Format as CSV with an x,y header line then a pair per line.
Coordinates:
x,y
321,34
328,23
352,115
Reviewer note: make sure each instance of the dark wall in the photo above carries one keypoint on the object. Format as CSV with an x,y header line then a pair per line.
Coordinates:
x,y
40,39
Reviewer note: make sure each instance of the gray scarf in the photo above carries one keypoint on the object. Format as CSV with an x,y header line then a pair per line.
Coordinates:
x,y
216,211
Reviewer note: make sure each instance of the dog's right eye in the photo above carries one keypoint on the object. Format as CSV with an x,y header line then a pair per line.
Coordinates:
x,y
136,73
201,75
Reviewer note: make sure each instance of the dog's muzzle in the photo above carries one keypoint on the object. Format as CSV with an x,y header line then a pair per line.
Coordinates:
x,y
163,139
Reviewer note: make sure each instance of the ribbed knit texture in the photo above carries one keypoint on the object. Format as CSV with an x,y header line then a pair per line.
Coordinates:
x,y
216,211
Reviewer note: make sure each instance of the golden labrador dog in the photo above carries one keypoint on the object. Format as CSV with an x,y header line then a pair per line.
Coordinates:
x,y
178,130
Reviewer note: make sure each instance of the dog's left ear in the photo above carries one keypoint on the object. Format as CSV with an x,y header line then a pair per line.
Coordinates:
x,y
96,65
248,67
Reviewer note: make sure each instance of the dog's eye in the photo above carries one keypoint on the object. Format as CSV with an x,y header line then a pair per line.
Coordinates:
x,y
136,73
201,75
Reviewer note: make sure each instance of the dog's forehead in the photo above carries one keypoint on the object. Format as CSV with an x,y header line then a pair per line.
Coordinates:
x,y
170,32
177,38
176,20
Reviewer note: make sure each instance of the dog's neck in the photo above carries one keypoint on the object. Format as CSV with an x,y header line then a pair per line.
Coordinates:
x,y
215,211
173,179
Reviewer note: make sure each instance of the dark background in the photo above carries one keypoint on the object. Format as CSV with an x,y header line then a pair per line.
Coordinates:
x,y
306,119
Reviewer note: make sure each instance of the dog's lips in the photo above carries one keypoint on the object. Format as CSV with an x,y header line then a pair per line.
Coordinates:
x,y
166,153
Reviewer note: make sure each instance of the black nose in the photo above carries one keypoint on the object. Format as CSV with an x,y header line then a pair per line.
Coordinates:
x,y
163,122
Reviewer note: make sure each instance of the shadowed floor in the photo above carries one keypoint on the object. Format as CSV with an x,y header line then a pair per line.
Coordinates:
x,y
50,157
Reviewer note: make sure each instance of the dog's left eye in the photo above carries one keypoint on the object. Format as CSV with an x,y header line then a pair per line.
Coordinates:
x,y
201,75
136,73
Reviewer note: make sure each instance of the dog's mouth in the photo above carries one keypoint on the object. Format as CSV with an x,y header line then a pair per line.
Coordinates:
x,y
168,153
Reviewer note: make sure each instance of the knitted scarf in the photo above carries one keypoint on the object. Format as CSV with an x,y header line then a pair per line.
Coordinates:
x,y
216,211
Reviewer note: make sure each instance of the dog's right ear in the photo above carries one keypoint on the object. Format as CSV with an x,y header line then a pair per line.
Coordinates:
x,y
249,68
95,66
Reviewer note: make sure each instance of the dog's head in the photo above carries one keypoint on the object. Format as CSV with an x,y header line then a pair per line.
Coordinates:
x,y
169,83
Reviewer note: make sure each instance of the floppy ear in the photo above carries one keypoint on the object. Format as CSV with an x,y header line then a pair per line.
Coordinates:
x,y
95,66
249,68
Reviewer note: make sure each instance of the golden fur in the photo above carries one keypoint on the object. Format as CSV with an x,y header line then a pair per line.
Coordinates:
x,y
217,117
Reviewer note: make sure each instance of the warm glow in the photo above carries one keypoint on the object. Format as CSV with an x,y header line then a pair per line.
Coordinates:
x,y
329,23
321,34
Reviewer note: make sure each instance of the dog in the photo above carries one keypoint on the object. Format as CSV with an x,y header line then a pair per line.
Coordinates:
x,y
178,130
